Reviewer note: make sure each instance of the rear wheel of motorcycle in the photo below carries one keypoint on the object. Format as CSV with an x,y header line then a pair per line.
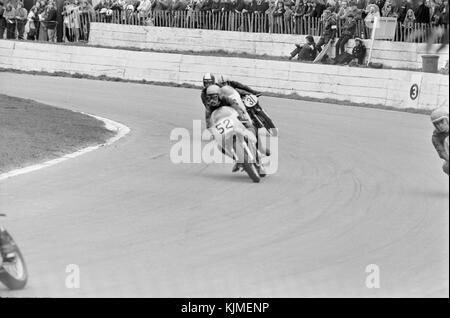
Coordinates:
x,y
14,274
252,172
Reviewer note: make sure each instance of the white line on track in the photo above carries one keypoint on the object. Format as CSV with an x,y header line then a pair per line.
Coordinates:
x,y
120,130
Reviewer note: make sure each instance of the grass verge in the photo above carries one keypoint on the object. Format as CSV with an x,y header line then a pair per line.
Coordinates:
x,y
31,132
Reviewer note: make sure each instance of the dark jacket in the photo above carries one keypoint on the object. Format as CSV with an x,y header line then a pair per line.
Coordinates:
x,y
260,6
307,52
422,14
206,5
50,18
438,140
359,52
330,28
349,28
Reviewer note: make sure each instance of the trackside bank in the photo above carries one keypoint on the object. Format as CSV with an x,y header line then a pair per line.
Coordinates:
x,y
400,55
386,87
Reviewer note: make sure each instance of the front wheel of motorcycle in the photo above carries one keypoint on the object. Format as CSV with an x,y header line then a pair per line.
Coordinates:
x,y
252,172
13,271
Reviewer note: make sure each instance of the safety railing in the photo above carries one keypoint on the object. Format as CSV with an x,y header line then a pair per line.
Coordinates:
x,y
242,22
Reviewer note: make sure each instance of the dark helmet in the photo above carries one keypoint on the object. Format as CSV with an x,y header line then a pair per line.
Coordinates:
x,y
208,79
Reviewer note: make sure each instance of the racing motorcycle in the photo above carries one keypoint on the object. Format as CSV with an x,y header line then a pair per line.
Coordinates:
x,y
259,117
13,271
237,142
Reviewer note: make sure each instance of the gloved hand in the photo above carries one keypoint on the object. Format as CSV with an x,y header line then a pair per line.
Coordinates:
x,y
243,118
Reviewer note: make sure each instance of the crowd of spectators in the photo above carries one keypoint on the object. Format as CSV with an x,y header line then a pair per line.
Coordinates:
x,y
419,11
40,22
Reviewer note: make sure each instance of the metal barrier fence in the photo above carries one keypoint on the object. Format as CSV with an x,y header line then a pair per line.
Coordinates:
x,y
232,21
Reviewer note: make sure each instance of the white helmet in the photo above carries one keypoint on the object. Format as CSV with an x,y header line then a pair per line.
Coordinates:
x,y
439,116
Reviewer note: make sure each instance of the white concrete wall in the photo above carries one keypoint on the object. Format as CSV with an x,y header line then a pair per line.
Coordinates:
x,y
391,54
383,87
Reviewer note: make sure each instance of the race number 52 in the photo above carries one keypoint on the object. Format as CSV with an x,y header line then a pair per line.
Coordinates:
x,y
224,126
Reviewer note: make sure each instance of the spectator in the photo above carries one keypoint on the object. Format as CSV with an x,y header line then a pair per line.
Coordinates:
x,y
307,52
2,20
361,6
333,5
401,10
177,5
215,6
410,19
224,5
205,5
158,6
357,13
329,29
288,12
388,11
50,20
443,16
358,54
300,8
278,15
373,12
318,8
32,24
422,13
260,6
348,32
310,9
434,11
279,10
380,4
145,5
10,16
344,10
42,36
21,15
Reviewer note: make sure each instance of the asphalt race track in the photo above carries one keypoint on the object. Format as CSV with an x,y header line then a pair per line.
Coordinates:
x,y
355,186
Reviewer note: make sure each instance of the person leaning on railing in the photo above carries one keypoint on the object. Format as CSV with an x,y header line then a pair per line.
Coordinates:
x,y
42,32
50,21
144,9
21,18
33,24
388,11
10,16
2,20
434,10
422,13
260,6
409,20
444,13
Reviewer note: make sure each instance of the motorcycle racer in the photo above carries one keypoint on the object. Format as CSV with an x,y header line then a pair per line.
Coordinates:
x,y
210,79
216,97
243,90
439,118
